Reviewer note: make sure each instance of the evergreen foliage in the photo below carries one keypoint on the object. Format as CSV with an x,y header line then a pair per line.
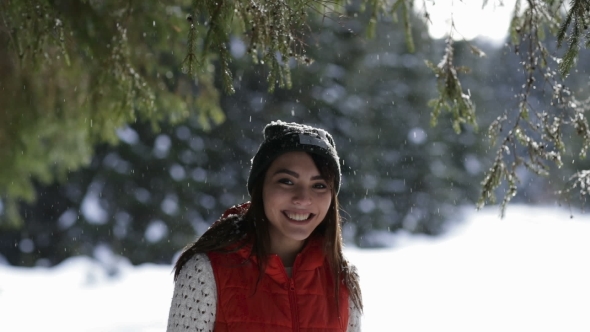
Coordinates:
x,y
451,96
73,72
532,136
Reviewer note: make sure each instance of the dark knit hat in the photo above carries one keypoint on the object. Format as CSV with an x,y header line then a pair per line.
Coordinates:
x,y
282,137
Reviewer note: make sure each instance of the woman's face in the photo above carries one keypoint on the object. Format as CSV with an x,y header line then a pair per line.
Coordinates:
x,y
296,198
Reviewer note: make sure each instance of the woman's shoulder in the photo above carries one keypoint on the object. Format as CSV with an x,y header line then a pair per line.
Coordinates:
x,y
228,229
351,268
351,279
351,272
197,264
194,301
198,258
225,232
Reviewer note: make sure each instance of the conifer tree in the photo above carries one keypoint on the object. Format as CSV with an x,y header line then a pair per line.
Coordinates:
x,y
73,72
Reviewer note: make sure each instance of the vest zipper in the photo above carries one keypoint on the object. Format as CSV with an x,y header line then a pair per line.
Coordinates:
x,y
294,313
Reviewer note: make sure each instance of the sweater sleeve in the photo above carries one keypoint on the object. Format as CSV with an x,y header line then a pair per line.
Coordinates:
x,y
194,301
354,317
354,313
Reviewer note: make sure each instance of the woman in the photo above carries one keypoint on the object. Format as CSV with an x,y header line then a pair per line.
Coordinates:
x,y
275,263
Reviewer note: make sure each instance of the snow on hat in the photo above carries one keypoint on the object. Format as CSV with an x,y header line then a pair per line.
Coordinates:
x,y
282,137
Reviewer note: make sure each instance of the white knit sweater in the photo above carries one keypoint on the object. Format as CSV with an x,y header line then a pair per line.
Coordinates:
x,y
195,299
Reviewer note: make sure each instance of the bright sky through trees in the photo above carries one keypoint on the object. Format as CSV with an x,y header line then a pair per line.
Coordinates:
x,y
470,19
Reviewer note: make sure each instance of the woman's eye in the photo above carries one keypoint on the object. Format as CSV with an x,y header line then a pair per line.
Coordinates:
x,y
285,181
320,186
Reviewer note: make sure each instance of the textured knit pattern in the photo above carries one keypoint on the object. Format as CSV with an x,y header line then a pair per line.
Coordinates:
x,y
194,301
195,297
354,317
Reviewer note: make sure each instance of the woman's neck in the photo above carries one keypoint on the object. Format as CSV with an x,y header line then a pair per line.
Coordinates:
x,y
286,250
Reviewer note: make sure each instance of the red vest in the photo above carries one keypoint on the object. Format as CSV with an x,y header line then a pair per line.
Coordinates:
x,y
304,302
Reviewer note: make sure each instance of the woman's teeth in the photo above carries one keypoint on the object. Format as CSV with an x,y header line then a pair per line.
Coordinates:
x,y
298,216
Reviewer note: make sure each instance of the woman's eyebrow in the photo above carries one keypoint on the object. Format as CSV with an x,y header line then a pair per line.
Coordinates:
x,y
287,171
296,175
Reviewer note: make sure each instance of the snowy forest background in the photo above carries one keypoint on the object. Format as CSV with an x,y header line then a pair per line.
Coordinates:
x,y
157,190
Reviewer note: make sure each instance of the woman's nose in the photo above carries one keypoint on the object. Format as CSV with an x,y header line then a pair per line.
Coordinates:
x,y
302,196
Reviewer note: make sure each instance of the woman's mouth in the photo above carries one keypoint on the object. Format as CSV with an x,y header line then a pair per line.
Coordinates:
x,y
298,217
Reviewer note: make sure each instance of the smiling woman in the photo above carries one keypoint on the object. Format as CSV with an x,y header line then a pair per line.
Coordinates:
x,y
275,263
296,200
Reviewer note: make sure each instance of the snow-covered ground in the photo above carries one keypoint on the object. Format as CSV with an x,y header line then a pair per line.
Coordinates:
x,y
527,272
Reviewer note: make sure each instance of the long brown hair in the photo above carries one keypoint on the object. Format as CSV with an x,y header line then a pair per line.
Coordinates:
x,y
227,235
